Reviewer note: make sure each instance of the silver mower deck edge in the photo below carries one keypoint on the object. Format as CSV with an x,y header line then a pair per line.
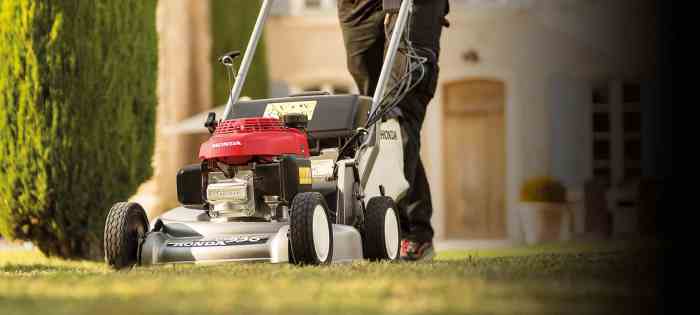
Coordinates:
x,y
188,236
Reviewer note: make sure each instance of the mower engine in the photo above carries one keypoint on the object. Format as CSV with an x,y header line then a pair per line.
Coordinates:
x,y
253,167
232,197
254,163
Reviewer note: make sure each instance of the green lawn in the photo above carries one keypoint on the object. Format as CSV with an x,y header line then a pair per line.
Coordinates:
x,y
561,278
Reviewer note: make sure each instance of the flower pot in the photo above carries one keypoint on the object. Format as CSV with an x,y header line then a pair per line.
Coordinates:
x,y
545,222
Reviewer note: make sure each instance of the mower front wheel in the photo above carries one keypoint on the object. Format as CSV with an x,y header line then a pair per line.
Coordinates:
x,y
125,228
310,230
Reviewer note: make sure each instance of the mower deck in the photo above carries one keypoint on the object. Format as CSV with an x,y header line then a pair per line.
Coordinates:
x,y
185,235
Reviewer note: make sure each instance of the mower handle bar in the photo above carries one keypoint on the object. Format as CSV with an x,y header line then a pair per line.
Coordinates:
x,y
369,149
406,6
248,56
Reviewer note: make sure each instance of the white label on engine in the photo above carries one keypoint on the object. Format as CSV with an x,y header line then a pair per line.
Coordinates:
x,y
224,191
276,110
322,168
226,144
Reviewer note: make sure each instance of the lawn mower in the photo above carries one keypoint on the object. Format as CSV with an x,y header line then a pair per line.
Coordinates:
x,y
308,179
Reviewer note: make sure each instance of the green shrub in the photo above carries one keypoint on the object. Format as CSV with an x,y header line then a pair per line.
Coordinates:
x,y
543,189
77,117
232,22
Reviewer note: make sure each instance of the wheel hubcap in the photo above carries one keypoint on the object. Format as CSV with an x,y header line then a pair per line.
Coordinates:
x,y
391,233
321,233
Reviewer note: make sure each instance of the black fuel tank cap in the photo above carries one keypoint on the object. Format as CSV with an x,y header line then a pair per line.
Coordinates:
x,y
295,120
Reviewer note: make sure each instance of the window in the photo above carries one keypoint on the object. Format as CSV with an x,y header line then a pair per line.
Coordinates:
x,y
616,127
601,150
601,133
631,129
601,122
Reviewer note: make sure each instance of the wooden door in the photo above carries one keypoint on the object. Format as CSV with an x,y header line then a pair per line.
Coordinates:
x,y
474,132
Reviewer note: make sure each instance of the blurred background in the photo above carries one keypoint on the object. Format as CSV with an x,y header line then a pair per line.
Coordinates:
x,y
551,125
567,90
551,120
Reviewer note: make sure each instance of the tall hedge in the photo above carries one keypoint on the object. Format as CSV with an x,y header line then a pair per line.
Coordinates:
x,y
77,117
232,22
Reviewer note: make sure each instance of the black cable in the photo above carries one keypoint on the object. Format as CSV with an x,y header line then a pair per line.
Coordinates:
x,y
403,87
393,96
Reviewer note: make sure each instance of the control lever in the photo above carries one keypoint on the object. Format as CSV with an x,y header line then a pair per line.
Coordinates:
x,y
228,58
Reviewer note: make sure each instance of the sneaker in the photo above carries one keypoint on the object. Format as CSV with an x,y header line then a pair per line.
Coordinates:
x,y
416,251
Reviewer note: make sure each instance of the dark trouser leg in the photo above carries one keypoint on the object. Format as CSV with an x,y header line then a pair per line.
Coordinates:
x,y
362,24
364,34
416,208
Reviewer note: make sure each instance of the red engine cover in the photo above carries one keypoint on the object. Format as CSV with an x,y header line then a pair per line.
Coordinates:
x,y
237,141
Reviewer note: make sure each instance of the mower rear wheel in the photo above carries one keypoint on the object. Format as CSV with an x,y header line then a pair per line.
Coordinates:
x,y
381,234
310,230
125,228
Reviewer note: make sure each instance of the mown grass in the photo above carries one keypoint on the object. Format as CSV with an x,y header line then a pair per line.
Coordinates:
x,y
554,279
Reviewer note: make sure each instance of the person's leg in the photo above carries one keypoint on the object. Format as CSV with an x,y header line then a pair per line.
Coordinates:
x,y
416,208
362,24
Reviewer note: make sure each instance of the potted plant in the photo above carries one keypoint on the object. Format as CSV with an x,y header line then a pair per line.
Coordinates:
x,y
544,212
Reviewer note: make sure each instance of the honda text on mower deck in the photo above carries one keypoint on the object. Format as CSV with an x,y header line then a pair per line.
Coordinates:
x,y
306,179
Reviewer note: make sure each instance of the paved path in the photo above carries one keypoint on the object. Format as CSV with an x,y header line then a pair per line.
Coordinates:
x,y
8,246
472,244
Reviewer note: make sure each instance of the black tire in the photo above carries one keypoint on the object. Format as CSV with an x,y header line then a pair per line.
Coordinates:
x,y
378,241
126,226
302,239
